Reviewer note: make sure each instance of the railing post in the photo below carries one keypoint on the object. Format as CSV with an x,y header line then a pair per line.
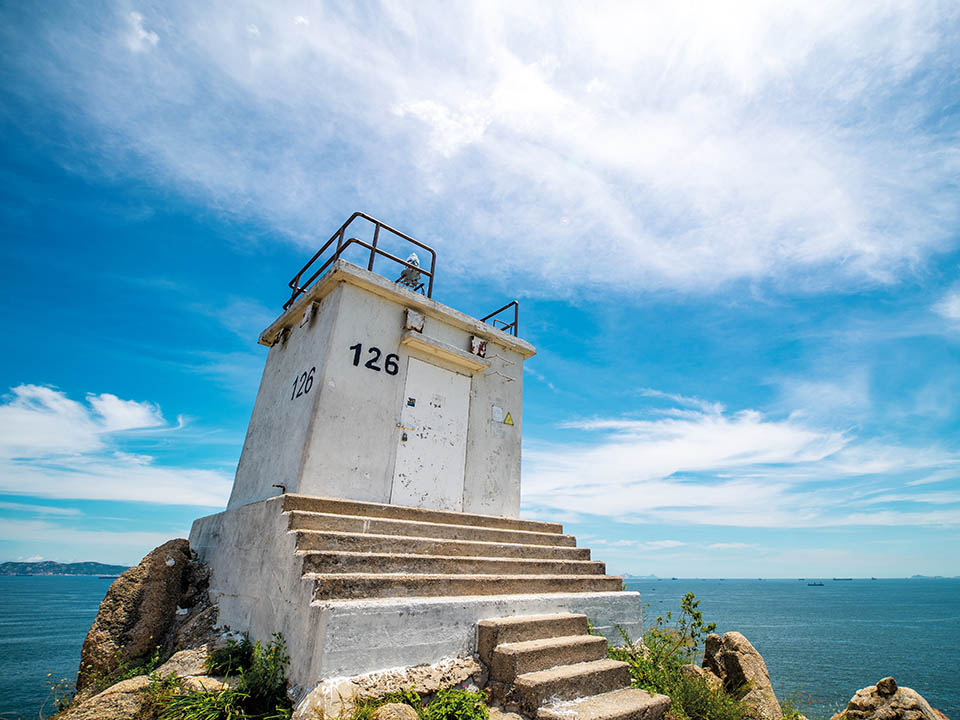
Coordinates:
x,y
373,250
433,267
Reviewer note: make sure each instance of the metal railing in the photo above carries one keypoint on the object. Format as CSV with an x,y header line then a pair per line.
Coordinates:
x,y
298,287
503,324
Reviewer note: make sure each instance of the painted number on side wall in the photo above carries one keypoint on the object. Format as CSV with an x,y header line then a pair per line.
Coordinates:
x,y
390,362
302,383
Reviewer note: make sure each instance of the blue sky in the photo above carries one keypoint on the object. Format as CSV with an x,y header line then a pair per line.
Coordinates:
x,y
733,232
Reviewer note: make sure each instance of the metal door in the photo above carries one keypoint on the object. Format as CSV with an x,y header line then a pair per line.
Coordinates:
x,y
432,438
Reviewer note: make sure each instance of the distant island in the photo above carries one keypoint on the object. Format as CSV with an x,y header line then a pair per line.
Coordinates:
x,y
49,567
934,577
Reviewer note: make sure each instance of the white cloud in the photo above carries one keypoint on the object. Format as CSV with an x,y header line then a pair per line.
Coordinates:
x,y
679,145
949,306
52,446
66,544
253,30
38,509
138,37
840,399
539,376
116,414
639,545
742,469
730,546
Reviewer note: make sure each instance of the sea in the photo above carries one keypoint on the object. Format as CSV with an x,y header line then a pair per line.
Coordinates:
x,y
821,643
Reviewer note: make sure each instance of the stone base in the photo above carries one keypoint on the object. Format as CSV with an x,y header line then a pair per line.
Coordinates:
x,y
259,583
368,635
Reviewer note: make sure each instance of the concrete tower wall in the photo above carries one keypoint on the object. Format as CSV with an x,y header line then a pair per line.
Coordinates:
x,y
337,433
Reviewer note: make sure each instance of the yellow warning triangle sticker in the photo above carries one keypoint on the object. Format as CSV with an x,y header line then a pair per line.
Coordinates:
x,y
508,420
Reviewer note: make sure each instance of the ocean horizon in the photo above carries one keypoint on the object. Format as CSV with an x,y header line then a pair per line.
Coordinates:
x,y
820,643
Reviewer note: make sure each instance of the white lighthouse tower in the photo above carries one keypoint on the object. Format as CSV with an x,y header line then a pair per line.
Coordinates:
x,y
374,519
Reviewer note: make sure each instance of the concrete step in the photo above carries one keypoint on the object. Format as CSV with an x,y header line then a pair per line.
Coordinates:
x,y
360,542
568,682
625,704
512,659
337,506
521,628
356,586
303,520
399,564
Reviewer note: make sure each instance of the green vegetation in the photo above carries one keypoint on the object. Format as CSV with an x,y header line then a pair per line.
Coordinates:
x,y
49,567
62,692
656,666
231,658
790,705
257,689
457,705
448,704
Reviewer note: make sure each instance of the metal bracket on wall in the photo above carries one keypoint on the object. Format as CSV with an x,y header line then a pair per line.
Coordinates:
x,y
505,361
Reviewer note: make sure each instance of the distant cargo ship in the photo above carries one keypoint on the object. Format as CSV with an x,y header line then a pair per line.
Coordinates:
x,y
841,579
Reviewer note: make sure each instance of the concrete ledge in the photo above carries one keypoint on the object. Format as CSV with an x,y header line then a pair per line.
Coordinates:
x,y
343,271
443,350
368,635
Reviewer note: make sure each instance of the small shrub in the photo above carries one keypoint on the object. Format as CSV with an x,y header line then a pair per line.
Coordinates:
x,y
265,681
259,689
656,665
790,703
407,697
233,658
225,704
452,704
449,704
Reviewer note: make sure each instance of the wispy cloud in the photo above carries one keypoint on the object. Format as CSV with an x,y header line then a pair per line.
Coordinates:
x,y
731,546
138,38
949,306
742,469
53,446
679,146
69,544
38,509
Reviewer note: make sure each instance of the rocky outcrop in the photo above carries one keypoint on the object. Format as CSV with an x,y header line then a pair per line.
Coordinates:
x,y
124,700
711,680
740,668
886,701
332,696
160,603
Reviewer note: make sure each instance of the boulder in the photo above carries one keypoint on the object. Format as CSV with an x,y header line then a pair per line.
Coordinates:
x,y
186,663
121,701
502,714
204,683
888,701
395,711
140,611
742,671
712,681
335,696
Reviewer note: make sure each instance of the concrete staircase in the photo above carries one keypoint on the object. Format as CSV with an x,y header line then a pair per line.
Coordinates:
x,y
555,670
358,550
